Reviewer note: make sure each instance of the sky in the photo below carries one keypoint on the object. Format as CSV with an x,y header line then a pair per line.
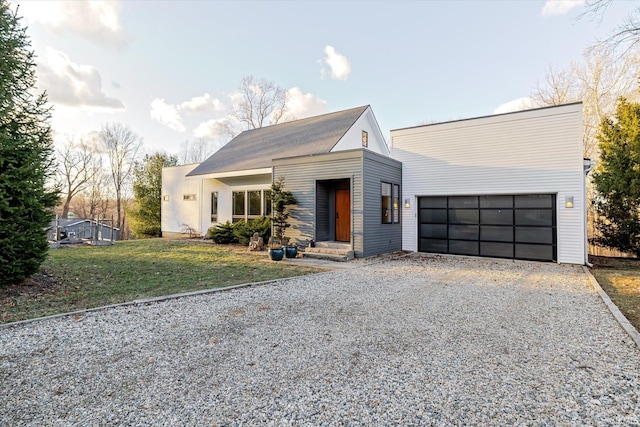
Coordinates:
x,y
170,70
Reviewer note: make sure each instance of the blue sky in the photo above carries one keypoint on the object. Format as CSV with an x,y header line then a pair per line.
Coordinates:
x,y
170,70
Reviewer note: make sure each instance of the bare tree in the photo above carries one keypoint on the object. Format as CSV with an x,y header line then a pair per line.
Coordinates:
x,y
195,151
78,164
597,82
263,103
94,201
626,36
121,146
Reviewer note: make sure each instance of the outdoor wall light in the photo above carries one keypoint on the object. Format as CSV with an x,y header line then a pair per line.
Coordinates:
x,y
568,202
407,204
165,198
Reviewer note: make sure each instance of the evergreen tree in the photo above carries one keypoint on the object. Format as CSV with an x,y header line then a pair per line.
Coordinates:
x,y
26,156
617,179
144,217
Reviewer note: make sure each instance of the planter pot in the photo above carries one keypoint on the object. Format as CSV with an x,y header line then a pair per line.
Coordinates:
x,y
290,251
276,254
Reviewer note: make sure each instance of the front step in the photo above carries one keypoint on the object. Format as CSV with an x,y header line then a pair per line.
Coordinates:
x,y
334,251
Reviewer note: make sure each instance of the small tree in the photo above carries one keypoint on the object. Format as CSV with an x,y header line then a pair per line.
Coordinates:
x,y
26,156
617,180
144,217
281,200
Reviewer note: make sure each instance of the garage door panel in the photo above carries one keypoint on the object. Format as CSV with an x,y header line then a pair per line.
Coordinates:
x,y
534,201
462,247
437,216
542,235
434,231
434,245
496,216
534,217
506,226
433,202
496,202
464,232
463,202
534,252
496,233
463,216
498,250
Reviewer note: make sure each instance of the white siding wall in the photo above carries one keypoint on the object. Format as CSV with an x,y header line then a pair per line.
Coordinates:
x,y
352,139
536,151
177,211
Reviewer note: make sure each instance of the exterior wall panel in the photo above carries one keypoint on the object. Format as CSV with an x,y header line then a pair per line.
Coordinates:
x,y
536,151
380,238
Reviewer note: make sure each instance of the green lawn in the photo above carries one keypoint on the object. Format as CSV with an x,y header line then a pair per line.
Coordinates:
x,y
83,277
620,279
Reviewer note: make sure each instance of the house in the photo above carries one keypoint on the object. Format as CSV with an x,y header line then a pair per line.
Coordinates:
x,y
509,185
81,228
335,164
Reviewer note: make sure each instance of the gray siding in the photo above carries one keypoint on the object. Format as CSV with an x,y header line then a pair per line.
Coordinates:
x,y
380,238
301,174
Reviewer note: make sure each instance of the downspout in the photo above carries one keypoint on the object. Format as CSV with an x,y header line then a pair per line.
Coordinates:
x,y
588,165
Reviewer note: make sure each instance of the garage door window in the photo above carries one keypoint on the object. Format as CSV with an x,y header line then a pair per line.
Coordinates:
x,y
505,226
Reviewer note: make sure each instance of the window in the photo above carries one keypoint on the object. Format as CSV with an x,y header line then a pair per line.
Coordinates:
x,y
255,199
190,197
214,206
365,138
396,203
387,206
238,206
267,203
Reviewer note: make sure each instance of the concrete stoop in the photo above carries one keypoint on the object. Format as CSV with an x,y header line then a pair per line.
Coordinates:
x,y
333,251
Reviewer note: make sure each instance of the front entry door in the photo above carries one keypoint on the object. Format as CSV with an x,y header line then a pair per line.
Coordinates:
x,y
343,215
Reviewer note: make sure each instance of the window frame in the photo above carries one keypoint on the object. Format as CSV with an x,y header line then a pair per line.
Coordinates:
x,y
214,206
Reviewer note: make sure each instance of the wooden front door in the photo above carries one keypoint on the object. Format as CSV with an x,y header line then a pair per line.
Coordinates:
x,y
343,215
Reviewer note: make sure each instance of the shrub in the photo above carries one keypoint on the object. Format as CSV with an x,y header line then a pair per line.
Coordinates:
x,y
244,230
222,233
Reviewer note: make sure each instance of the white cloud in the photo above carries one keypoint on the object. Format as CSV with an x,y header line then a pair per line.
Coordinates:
x,y
201,103
211,129
560,7
300,105
338,63
95,20
166,114
72,84
516,105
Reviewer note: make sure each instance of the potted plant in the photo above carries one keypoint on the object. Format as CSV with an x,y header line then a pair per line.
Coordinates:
x,y
282,200
275,250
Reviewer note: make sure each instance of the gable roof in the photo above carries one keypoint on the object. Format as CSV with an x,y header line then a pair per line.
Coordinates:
x,y
255,148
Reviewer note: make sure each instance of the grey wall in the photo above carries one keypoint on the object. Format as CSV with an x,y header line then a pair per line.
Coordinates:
x,y
301,175
380,238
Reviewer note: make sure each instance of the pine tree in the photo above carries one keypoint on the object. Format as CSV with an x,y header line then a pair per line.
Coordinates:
x,y
144,217
617,179
26,156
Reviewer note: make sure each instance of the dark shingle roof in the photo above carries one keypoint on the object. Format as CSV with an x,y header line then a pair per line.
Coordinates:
x,y
255,148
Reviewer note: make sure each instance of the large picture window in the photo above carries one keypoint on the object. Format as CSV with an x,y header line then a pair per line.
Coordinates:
x,y
214,206
267,203
255,203
238,213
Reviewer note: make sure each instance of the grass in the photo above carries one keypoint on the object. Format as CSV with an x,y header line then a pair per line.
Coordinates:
x,y
85,277
620,279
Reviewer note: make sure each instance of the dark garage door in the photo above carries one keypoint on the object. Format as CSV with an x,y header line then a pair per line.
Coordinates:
x,y
518,226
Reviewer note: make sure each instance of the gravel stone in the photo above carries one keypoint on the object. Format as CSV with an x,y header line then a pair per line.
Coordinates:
x,y
420,340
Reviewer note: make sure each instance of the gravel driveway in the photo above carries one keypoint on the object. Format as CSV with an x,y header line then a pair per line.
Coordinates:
x,y
414,341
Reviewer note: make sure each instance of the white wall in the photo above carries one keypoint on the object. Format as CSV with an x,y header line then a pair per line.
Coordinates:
x,y
176,211
352,139
535,151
